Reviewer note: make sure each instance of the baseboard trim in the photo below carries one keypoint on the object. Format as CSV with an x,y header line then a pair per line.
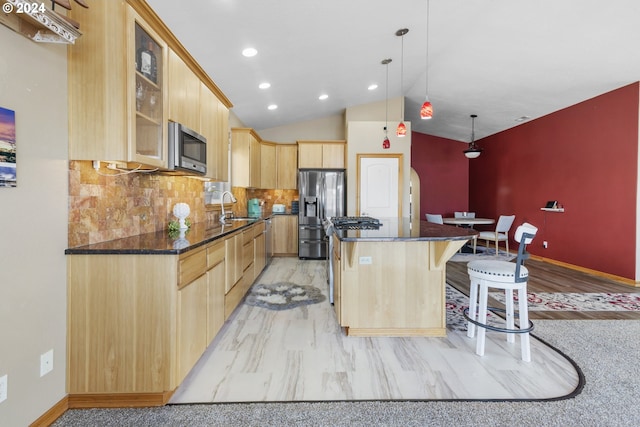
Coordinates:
x,y
620,279
52,414
118,400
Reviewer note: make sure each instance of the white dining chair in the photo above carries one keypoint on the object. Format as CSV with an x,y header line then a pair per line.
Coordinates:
x,y
435,218
500,234
507,276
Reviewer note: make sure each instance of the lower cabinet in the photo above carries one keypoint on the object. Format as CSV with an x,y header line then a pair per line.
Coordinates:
x,y
139,323
285,235
191,325
216,263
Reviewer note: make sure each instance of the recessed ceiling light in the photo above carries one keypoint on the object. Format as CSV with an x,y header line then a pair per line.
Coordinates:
x,y
264,85
323,97
522,118
373,87
249,52
272,107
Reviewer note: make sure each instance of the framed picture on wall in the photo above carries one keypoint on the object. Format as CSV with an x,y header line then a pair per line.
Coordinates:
x,y
7,148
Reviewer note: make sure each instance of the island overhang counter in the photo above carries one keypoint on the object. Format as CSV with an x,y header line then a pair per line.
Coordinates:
x,y
391,281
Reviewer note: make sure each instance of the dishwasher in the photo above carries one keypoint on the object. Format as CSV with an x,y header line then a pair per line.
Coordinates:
x,y
268,240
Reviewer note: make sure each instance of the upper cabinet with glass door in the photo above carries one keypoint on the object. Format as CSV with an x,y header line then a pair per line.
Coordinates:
x,y
116,98
149,119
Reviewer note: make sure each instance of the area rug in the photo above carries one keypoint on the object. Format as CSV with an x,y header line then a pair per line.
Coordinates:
x,y
545,301
283,296
456,303
483,253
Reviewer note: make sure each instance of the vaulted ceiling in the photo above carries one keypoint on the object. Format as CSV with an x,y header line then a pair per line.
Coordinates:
x,y
500,59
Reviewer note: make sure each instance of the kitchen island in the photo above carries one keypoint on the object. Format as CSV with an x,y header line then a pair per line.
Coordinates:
x,y
391,281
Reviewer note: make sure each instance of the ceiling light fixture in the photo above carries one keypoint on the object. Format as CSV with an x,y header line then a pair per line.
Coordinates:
x,y
385,142
264,85
401,130
323,97
473,151
272,107
426,111
373,87
249,52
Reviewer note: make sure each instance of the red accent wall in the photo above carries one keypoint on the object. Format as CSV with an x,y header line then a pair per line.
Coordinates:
x,y
443,172
585,156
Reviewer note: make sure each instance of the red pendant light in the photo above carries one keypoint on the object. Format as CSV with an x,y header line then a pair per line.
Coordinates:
x,y
401,130
386,144
426,111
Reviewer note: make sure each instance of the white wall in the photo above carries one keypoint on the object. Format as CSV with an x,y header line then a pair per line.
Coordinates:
x,y
33,218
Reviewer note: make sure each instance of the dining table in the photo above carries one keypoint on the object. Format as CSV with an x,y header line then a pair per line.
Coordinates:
x,y
469,222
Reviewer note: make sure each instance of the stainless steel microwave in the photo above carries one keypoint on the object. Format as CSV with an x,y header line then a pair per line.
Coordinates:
x,y
187,150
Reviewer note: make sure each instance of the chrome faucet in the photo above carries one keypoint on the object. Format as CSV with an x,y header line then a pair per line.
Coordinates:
x,y
223,216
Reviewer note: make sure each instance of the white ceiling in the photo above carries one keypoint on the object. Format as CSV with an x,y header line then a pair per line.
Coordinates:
x,y
500,59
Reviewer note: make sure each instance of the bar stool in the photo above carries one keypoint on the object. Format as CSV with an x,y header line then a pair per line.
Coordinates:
x,y
510,277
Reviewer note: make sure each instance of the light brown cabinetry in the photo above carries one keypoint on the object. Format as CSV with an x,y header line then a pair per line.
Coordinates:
x,y
268,165
216,263
117,87
139,323
413,306
184,93
245,158
287,166
233,251
321,154
285,235
191,325
214,125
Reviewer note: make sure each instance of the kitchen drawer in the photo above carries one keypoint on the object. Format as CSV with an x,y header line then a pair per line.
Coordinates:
x,y
192,266
258,229
247,255
215,253
247,235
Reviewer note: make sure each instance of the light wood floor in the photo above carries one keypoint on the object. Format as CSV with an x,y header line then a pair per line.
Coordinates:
x,y
302,355
547,277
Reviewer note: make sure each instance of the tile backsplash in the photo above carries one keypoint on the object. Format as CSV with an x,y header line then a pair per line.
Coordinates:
x,y
105,205
103,208
271,197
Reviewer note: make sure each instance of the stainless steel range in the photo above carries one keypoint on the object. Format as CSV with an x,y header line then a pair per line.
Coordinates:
x,y
355,223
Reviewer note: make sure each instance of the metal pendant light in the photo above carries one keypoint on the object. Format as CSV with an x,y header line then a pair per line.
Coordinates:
x,y
473,151
386,144
426,111
401,130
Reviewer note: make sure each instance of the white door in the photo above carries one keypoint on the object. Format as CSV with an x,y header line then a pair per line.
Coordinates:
x,y
378,186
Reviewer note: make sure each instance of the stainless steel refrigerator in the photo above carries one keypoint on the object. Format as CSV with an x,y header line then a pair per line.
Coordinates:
x,y
323,194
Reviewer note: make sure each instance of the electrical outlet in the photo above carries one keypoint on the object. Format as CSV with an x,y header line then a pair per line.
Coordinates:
x,y
3,387
365,260
46,363
545,244
96,164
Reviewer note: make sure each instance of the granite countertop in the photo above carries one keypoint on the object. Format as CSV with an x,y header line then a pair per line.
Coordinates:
x,y
160,243
398,229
